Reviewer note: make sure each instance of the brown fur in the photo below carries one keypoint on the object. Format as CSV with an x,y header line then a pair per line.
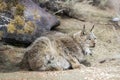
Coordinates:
x,y
54,51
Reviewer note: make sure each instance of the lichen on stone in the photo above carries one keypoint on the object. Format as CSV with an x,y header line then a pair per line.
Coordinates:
x,y
36,15
29,27
19,26
3,6
19,9
16,24
11,28
19,20
1,34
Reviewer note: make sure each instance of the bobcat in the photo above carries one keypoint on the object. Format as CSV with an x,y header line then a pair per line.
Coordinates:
x,y
85,40
58,51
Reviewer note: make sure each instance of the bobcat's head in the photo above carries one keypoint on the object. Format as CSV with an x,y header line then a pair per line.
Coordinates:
x,y
86,40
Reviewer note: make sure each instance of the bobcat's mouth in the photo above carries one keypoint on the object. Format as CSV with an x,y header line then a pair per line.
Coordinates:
x,y
93,45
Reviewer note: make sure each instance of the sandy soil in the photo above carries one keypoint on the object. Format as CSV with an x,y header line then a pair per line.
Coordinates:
x,y
105,60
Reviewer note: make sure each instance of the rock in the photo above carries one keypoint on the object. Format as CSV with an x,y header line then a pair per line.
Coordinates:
x,y
25,29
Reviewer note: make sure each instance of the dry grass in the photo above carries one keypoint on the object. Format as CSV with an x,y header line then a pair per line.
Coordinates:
x,y
90,13
112,5
102,4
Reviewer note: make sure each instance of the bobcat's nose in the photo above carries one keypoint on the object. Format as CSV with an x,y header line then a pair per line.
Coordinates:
x,y
94,44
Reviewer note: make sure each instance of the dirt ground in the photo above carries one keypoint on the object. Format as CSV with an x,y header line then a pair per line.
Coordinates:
x,y
105,61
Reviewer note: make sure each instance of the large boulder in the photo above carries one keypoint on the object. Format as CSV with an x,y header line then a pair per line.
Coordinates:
x,y
27,26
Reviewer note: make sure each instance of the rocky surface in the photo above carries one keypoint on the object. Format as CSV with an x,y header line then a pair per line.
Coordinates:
x,y
27,23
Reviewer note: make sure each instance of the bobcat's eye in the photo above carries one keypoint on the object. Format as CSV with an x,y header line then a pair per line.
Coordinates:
x,y
89,39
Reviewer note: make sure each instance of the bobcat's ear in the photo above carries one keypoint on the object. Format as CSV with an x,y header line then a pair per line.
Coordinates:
x,y
83,31
92,28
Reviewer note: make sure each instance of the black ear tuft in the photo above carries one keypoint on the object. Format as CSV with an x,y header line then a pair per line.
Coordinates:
x,y
83,30
92,28
84,27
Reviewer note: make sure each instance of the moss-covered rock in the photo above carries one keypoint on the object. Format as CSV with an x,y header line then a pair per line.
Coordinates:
x,y
28,23
19,9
